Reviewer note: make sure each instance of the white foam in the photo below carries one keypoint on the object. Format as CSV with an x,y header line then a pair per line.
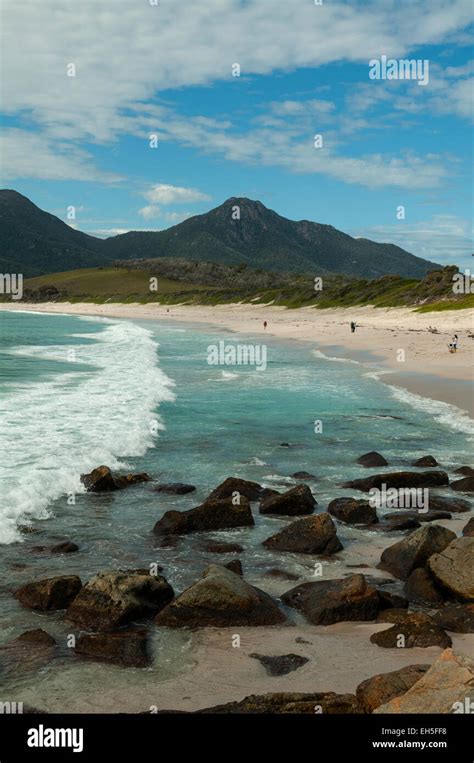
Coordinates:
x,y
52,431
319,354
446,413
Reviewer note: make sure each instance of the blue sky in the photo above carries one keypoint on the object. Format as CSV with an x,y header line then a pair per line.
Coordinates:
x,y
167,69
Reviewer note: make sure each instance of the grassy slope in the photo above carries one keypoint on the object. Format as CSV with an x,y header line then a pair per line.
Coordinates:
x,y
118,284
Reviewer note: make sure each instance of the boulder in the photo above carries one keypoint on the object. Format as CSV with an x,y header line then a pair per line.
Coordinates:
x,y
235,566
332,601
453,568
384,687
426,461
224,548
421,589
311,535
175,488
31,650
303,476
115,598
443,689
415,550
468,530
280,665
467,471
458,618
403,617
220,598
50,593
212,515
101,480
268,492
128,648
465,485
295,502
428,516
326,703
372,459
453,505
251,490
353,511
397,525
415,635
389,600
399,480
66,547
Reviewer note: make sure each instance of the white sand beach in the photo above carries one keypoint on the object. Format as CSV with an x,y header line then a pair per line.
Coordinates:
x,y
396,339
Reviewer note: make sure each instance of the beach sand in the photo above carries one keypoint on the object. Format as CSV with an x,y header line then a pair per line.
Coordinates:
x,y
395,340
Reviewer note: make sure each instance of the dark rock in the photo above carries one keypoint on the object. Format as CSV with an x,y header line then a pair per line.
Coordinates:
x,y
50,593
420,588
268,492
332,601
280,665
232,485
468,530
284,445
415,550
112,599
396,525
467,471
382,688
458,618
311,535
419,516
101,480
31,650
399,480
282,574
301,640
372,459
295,502
353,511
402,617
420,635
453,568
211,515
127,648
426,461
175,488
220,598
235,566
66,547
327,703
389,600
453,505
224,548
466,485
36,637
303,476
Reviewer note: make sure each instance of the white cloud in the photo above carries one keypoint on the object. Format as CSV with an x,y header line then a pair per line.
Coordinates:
x,y
173,194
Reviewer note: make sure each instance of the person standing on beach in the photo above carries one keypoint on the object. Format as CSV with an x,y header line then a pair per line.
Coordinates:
x,y
265,324
353,326
455,342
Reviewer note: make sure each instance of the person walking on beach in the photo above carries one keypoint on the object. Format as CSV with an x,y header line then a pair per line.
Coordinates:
x,y
353,326
455,342
265,324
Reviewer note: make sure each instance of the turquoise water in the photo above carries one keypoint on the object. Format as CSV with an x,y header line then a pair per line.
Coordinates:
x,y
141,396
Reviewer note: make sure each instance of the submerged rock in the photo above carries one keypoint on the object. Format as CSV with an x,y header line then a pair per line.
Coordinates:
x,y
311,535
175,488
399,480
31,650
212,515
128,648
453,505
303,476
444,688
115,598
426,461
50,593
327,703
466,485
419,516
224,548
372,459
453,568
280,665
295,502
220,598
384,687
332,601
415,550
353,511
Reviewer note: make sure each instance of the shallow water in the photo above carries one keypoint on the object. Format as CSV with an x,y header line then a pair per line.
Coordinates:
x,y
141,396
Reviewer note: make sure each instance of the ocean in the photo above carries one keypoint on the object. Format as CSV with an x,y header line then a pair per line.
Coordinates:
x,y
76,393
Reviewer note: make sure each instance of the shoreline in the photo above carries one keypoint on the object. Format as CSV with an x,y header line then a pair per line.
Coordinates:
x,y
395,341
